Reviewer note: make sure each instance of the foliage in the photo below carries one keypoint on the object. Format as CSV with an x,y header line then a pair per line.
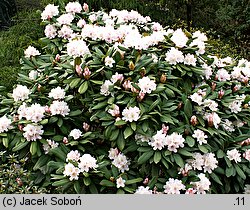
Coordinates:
x,y
14,177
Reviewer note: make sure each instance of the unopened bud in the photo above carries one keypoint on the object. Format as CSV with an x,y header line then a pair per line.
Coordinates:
x,y
86,73
39,87
127,84
19,182
65,140
85,126
216,77
221,94
79,70
193,120
235,88
131,65
245,106
245,80
164,128
140,96
213,86
180,105
210,120
146,181
163,78
20,127
85,7
47,109
57,58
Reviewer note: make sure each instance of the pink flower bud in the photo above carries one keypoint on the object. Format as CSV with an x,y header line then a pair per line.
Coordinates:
x,y
79,70
57,58
194,120
127,84
213,86
19,182
235,89
245,80
210,120
86,7
86,126
20,127
134,90
86,73
65,140
221,94
141,96
47,109
190,191
146,181
164,129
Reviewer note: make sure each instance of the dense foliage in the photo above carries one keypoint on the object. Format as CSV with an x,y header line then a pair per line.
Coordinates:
x,y
115,103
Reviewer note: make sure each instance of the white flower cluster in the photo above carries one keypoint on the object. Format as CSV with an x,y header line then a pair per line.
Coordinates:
x,y
246,154
143,190
173,186
73,7
131,114
31,51
120,182
119,160
34,113
5,124
50,31
50,11
146,85
59,107
160,140
75,133
77,48
50,145
33,132
20,93
77,164
203,185
200,136
234,155
57,93
206,162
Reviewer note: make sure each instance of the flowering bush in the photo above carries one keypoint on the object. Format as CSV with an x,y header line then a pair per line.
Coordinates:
x,y
118,104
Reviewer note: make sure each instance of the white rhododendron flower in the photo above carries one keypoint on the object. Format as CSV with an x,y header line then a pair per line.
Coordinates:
x,y
158,141
20,93
81,23
87,162
109,61
200,136
198,161
65,19
117,77
235,106
35,112
228,126
131,114
173,186
77,48
50,31
174,141
121,162
50,145
246,155
199,36
234,155
33,132
5,124
115,111
211,104
50,11
190,60
223,75
197,98
213,118
57,93
143,190
203,185
71,171
120,182
105,87
75,133
66,32
174,56
33,74
146,85
73,155
210,162
73,7
59,107
179,38
31,51
113,153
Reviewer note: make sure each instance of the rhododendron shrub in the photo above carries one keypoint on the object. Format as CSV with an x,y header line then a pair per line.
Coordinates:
x,y
116,103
